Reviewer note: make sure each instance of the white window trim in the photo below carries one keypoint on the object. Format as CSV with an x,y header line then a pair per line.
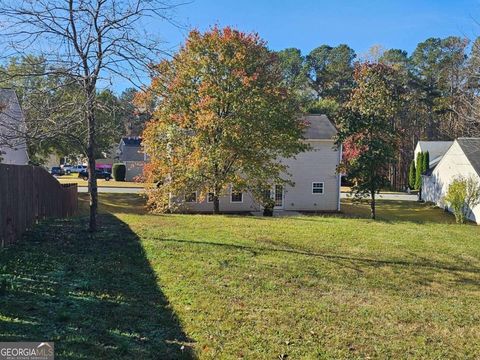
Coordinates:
x,y
235,202
191,202
323,188
208,195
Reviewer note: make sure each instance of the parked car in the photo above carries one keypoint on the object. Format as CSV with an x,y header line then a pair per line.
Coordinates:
x,y
57,171
67,168
78,168
99,173
72,169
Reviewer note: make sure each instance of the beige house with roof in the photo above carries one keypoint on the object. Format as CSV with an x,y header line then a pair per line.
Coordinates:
x,y
130,152
317,184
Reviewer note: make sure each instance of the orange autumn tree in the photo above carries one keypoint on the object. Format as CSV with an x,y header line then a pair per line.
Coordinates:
x,y
221,118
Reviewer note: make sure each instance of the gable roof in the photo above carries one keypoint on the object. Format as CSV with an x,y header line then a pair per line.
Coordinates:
x,y
471,149
132,141
436,149
319,128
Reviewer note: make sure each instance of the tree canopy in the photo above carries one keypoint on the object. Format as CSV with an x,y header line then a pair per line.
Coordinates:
x,y
223,116
367,123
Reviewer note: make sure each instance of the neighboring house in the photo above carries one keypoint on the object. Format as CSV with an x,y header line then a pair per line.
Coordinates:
x,y
317,184
13,146
461,159
52,160
436,150
130,153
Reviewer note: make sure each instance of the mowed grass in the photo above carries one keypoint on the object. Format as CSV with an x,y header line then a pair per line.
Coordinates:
x,y
204,286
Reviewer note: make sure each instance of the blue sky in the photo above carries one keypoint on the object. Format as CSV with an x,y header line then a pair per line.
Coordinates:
x,y
309,23
306,24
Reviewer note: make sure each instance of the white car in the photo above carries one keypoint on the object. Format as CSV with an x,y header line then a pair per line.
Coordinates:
x,y
70,169
78,168
67,168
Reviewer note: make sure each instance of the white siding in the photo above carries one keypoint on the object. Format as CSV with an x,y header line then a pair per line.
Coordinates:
x,y
317,165
453,164
13,149
14,156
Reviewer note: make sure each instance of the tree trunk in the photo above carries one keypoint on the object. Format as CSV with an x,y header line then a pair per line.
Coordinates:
x,y
92,178
372,205
216,204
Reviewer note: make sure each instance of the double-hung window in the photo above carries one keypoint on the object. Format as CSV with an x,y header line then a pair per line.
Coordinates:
x,y
191,198
236,197
317,188
210,197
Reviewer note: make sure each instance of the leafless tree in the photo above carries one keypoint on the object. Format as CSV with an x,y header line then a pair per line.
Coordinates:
x,y
89,41
468,109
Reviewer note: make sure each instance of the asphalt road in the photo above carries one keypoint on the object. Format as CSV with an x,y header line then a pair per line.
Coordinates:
x,y
127,190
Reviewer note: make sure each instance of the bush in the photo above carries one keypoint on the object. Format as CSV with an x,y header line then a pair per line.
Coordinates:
x,y
426,162
418,171
119,171
412,175
462,196
268,206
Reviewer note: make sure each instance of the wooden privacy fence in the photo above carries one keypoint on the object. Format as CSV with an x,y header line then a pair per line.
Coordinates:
x,y
29,194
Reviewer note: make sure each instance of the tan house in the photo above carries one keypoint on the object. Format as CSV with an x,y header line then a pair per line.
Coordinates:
x,y
13,146
316,182
462,159
130,152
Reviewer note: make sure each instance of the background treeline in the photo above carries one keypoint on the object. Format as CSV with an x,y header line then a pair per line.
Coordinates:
x,y
52,105
440,77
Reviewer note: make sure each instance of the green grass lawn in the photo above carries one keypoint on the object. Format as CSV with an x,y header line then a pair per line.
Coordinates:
x,y
204,286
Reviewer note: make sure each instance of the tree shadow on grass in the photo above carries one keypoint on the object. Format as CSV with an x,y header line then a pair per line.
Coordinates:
x,y
95,296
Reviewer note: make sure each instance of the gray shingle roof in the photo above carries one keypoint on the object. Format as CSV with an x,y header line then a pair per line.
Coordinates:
x,y
471,149
132,141
319,128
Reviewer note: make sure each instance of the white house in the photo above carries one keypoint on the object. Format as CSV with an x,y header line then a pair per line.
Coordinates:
x,y
461,159
13,146
436,150
316,182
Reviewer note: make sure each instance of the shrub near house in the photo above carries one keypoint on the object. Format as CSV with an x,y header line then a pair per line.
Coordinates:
x,y
119,172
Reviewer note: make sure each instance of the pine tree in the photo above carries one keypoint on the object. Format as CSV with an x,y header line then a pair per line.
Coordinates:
x,y
418,172
412,175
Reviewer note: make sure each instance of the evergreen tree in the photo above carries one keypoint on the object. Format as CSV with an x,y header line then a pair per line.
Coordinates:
x,y
418,172
426,162
412,175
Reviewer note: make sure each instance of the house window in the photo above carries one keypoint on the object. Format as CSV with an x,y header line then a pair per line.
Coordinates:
x,y
317,188
191,198
236,197
210,197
